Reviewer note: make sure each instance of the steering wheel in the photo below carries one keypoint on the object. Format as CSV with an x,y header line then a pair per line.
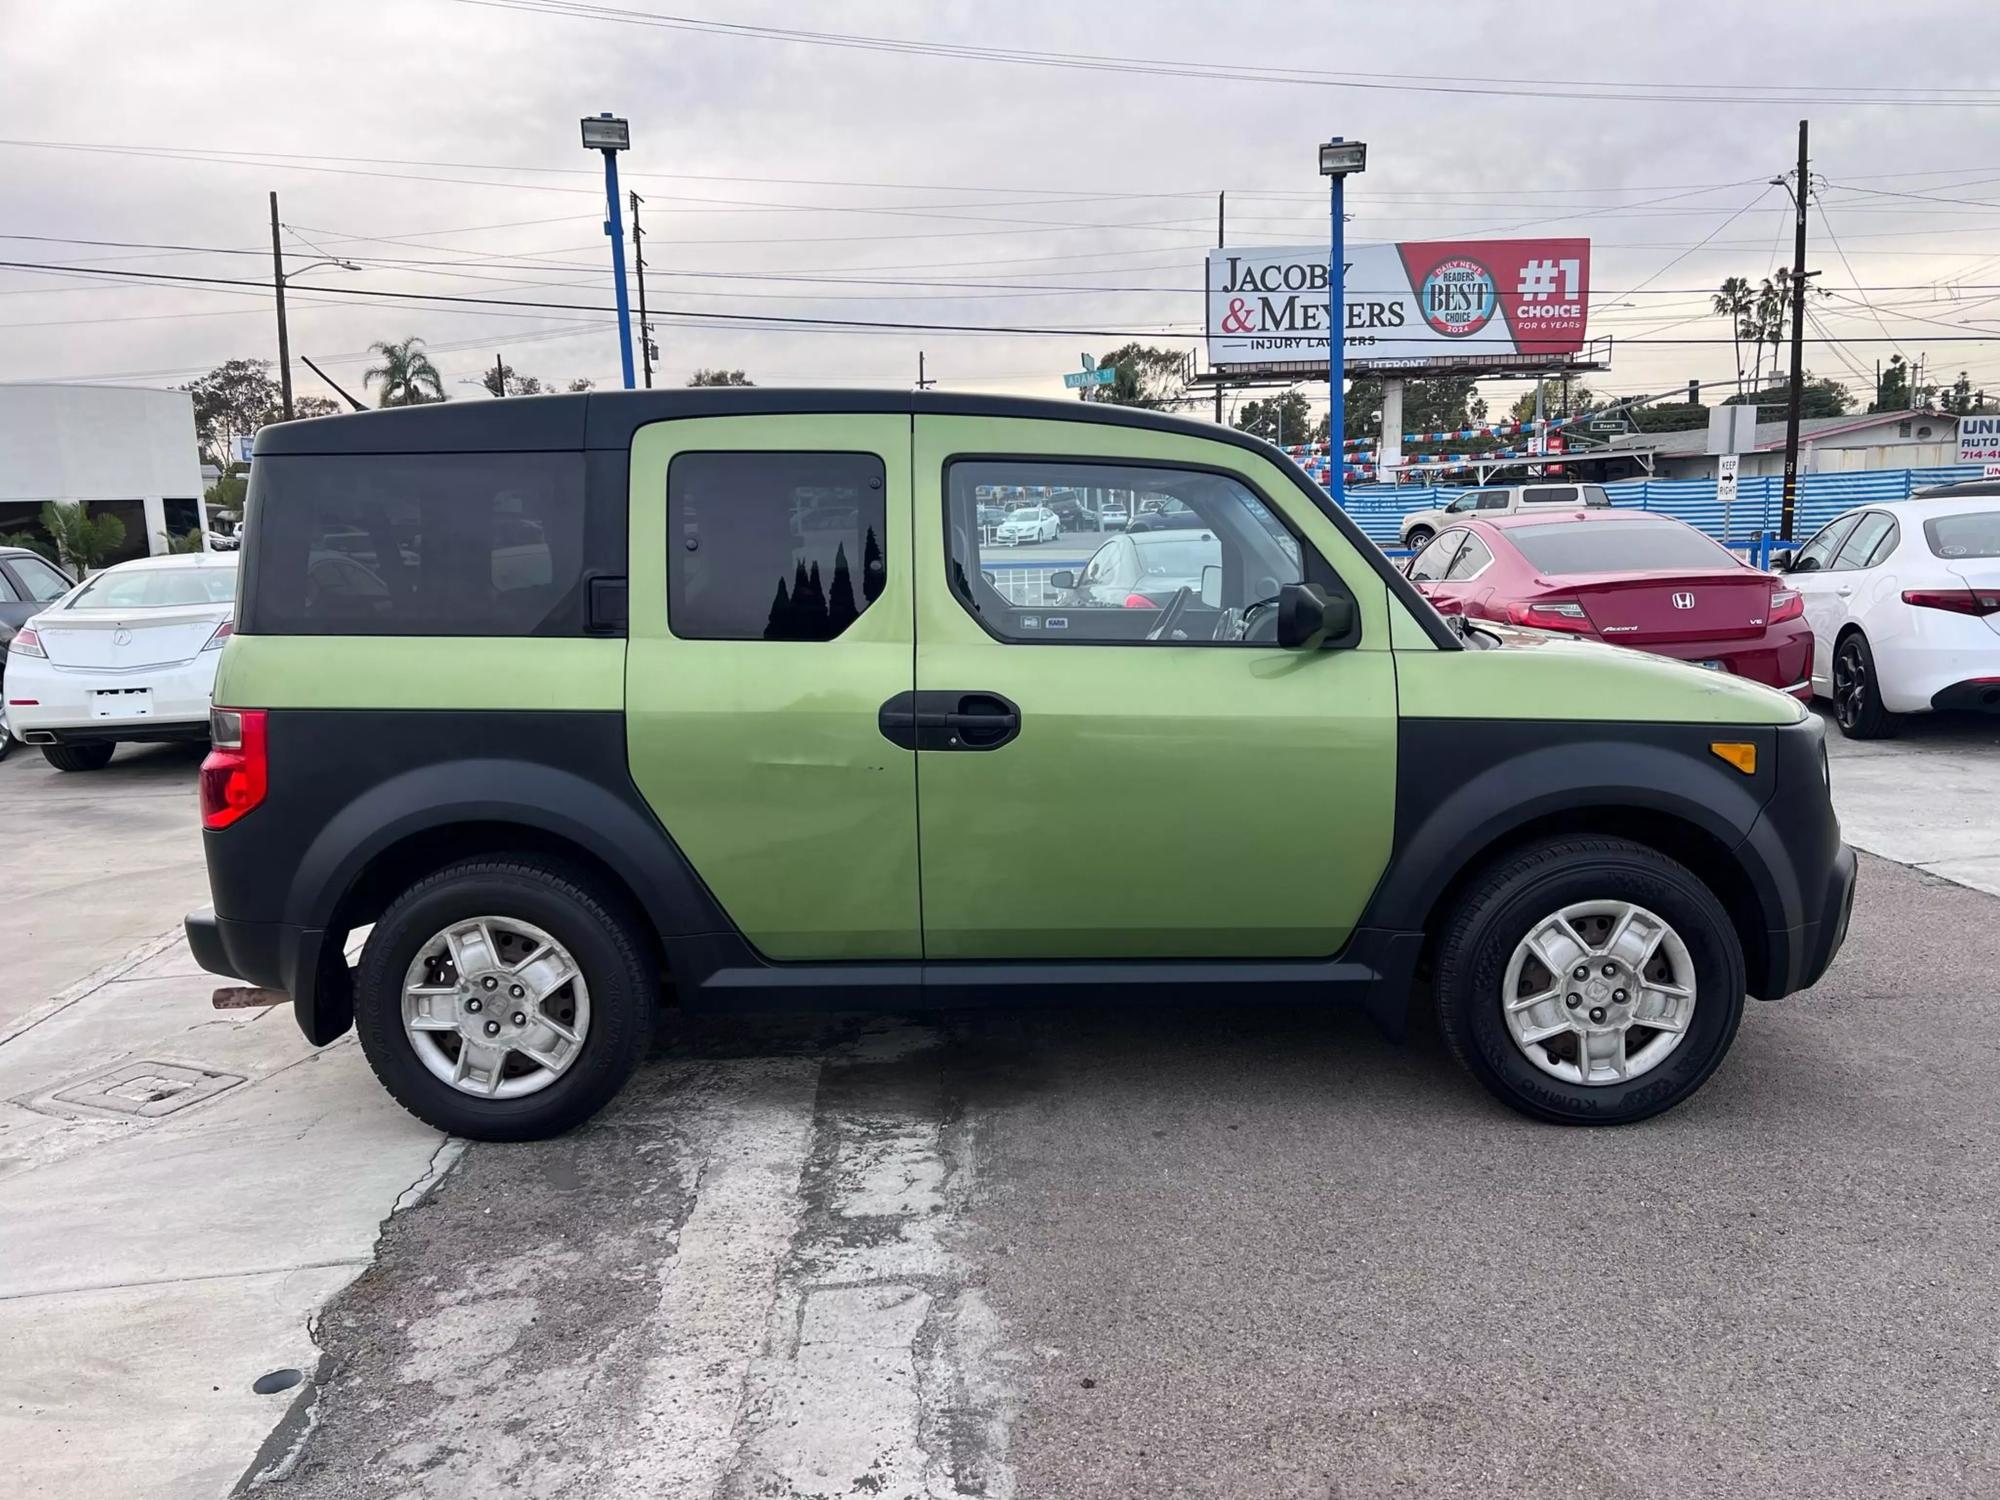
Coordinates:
x,y
1170,617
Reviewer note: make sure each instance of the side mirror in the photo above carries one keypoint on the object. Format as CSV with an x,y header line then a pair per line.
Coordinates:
x,y
1211,586
1308,618
1062,578
1781,562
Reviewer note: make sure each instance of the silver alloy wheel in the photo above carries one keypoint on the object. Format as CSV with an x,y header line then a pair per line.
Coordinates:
x,y
495,1007
1599,992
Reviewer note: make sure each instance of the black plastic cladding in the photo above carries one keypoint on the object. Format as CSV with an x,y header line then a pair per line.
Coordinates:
x,y
604,422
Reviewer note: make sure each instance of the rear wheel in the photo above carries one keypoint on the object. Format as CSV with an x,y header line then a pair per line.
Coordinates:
x,y
94,755
1589,981
1857,693
504,999
1419,538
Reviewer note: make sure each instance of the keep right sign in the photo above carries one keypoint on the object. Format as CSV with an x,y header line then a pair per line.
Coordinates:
x,y
1979,440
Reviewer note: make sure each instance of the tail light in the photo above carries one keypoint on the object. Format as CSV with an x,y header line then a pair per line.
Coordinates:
x,y
1958,601
222,633
27,643
1786,604
1139,601
1550,614
236,773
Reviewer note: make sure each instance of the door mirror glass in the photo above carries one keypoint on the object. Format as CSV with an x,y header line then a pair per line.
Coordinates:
x,y
1211,586
1062,578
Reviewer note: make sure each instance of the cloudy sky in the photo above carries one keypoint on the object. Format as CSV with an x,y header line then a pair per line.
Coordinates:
x,y
433,143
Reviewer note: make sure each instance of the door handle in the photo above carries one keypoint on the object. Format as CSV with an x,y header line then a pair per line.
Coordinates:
x,y
1843,593
945,720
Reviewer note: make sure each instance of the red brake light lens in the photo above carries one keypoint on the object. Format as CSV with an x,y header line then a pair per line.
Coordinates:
x,y
1786,604
1139,601
1550,614
222,633
1958,601
26,643
236,773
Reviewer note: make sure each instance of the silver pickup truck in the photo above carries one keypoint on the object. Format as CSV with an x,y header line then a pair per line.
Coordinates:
x,y
1419,526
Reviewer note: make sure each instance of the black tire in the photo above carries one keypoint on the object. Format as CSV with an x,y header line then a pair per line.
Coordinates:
x,y
601,933
1507,899
1419,538
93,755
1857,692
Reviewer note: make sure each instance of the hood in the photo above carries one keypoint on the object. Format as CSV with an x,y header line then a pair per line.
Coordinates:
x,y
1541,674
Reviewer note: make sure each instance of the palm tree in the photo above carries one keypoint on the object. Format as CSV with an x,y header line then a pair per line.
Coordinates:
x,y
1733,300
1771,302
408,377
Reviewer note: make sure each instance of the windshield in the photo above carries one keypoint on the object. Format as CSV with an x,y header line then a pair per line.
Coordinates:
x,y
1178,557
1618,547
1975,534
157,588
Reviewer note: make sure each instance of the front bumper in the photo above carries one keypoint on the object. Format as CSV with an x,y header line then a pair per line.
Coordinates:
x,y
1804,873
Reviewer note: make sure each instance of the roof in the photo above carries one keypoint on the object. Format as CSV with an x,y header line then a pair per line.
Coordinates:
x,y
607,419
1511,520
180,560
1693,441
1963,490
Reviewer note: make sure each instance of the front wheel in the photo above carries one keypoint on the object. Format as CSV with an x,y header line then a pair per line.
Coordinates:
x,y
1589,981
504,999
93,755
1857,692
1419,538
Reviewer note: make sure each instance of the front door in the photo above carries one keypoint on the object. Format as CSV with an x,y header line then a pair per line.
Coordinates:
x,y
1121,762
771,602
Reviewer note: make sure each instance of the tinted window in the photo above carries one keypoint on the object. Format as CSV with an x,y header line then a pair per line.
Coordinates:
x,y
1870,529
7,594
416,544
1494,499
1976,534
1616,547
1217,560
1818,552
156,588
773,546
1429,565
40,580
1470,561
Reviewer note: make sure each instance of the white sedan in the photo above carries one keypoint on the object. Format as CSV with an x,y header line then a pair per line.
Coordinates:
x,y
1033,523
129,654
1904,602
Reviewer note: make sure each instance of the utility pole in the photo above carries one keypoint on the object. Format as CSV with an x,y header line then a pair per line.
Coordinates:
x,y
499,376
1800,190
284,335
639,258
1221,203
922,383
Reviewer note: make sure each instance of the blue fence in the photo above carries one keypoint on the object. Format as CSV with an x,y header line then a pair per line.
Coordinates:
x,y
1379,509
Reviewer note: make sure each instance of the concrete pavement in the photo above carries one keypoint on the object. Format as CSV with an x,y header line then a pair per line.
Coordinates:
x,y
1929,797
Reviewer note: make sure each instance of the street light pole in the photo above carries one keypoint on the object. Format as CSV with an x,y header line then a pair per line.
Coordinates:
x,y
610,135
284,335
1337,158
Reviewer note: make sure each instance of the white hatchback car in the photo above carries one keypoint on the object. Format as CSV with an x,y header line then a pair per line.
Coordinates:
x,y
1904,602
128,654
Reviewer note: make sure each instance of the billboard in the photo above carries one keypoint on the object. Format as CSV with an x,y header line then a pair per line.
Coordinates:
x,y
1979,440
1447,304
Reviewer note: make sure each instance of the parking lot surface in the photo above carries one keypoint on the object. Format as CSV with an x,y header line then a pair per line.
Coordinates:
x,y
1203,1253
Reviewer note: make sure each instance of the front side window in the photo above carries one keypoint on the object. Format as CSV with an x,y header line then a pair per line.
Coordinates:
x,y
1431,564
439,544
1206,568
1818,553
41,581
773,546
1868,534
1494,499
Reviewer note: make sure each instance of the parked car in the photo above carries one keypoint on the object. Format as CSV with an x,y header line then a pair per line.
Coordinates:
x,y
1069,510
1631,579
128,654
1419,526
991,515
1113,516
1138,570
1904,604
1032,523
553,798
1164,515
28,582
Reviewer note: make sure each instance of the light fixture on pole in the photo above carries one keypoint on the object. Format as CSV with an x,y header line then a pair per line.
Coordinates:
x,y
1337,159
609,134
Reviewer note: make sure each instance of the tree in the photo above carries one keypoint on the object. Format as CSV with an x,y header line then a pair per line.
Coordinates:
x,y
1961,400
186,541
1818,397
581,383
1147,377
233,400
716,377
1281,419
314,406
502,381
1579,401
1445,404
81,539
1892,390
33,541
408,377
1734,300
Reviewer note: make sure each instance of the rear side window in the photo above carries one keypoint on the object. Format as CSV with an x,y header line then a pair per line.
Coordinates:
x,y
41,581
466,544
1470,562
773,546
1976,534
1616,547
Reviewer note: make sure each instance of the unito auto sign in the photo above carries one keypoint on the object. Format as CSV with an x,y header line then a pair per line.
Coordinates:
x,y
1979,440
1414,304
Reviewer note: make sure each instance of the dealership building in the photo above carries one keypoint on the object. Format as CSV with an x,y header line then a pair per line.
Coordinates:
x,y
125,451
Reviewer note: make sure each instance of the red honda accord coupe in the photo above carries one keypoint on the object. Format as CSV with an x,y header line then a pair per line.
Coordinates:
x,y
1628,578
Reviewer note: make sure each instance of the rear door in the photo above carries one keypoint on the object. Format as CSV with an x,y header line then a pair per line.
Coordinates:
x,y
1088,792
771,604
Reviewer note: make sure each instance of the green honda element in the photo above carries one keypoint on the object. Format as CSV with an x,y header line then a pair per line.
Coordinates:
x,y
726,699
